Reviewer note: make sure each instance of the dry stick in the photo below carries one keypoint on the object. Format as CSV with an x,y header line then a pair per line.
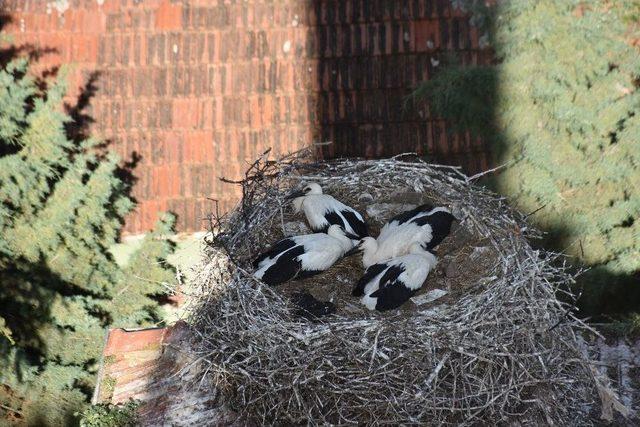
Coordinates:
x,y
487,172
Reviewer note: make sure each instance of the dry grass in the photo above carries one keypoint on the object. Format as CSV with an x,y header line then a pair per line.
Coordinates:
x,y
499,348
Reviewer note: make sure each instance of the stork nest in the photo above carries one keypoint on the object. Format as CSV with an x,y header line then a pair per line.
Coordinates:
x,y
498,347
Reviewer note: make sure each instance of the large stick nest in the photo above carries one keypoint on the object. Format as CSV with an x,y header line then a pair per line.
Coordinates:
x,y
499,348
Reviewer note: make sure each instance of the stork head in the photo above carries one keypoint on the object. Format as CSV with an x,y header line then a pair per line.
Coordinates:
x,y
310,189
369,245
313,188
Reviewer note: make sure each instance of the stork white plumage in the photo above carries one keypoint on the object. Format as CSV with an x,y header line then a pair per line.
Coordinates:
x,y
389,284
302,256
323,210
425,225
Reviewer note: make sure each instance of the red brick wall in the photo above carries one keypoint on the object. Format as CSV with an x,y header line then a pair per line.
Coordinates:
x,y
198,88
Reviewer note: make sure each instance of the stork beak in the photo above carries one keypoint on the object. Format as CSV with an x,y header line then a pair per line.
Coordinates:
x,y
354,250
352,236
295,195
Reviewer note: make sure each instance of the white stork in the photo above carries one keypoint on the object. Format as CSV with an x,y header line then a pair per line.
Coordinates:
x,y
389,284
425,225
302,256
322,210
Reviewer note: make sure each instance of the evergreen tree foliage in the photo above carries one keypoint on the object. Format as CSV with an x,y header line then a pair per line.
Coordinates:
x,y
110,416
562,109
62,206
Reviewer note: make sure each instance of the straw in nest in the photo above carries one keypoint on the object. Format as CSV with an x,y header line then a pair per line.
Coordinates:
x,y
499,347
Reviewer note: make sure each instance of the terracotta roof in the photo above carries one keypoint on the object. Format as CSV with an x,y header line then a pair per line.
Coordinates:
x,y
188,91
129,359
148,365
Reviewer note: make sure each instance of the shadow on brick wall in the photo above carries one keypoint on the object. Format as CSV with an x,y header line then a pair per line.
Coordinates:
x,y
28,50
79,128
81,120
371,56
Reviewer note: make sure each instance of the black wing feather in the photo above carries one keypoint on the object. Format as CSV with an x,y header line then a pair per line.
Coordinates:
x,y
358,225
421,220
391,275
390,292
440,223
408,215
285,268
369,275
278,247
332,218
392,295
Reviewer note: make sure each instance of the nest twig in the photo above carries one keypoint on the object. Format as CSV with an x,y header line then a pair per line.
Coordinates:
x,y
506,350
